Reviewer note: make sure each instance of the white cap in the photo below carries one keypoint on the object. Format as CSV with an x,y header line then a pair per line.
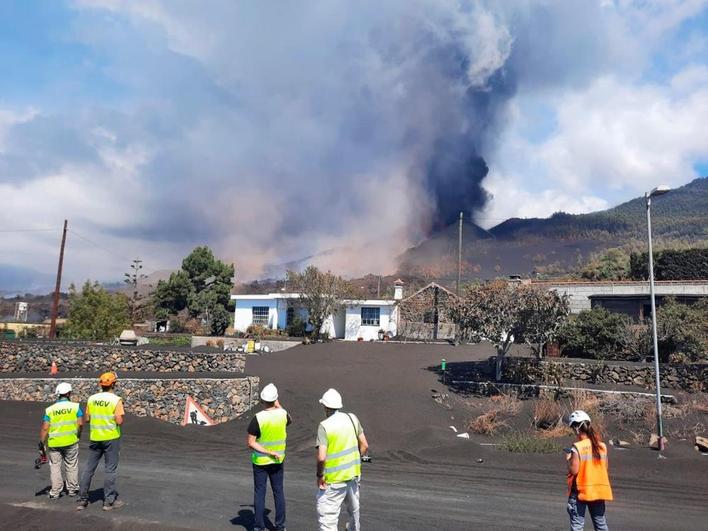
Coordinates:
x,y
331,399
578,416
63,388
269,393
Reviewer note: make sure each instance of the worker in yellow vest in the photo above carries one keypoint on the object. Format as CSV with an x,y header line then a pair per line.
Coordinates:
x,y
60,434
340,445
588,480
104,412
267,434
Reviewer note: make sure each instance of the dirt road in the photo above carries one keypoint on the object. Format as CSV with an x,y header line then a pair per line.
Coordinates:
x,y
421,477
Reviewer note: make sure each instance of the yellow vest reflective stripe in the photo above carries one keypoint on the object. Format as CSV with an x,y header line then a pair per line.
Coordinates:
x,y
272,425
101,408
63,424
343,461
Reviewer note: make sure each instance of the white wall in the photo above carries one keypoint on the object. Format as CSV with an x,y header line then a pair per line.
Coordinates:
x,y
354,329
344,324
243,314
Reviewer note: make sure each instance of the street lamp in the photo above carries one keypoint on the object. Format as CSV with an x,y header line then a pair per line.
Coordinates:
x,y
659,190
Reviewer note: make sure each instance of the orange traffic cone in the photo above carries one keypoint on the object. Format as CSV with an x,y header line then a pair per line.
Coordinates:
x,y
54,369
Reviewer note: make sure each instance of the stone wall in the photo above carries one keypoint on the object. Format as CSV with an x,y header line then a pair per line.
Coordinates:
x,y
37,356
221,398
526,391
690,377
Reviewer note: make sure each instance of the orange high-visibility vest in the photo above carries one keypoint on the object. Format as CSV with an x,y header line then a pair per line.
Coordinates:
x,y
592,481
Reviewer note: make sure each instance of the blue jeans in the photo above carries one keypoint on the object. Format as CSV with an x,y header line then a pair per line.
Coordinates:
x,y
576,510
261,474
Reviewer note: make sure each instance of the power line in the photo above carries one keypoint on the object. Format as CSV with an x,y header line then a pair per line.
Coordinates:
x,y
96,244
29,230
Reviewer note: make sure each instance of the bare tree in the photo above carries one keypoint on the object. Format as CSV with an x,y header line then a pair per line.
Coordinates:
x,y
541,315
131,279
488,311
503,312
320,293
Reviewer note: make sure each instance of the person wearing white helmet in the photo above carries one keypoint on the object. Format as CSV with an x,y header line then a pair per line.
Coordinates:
x,y
267,434
341,443
588,480
60,434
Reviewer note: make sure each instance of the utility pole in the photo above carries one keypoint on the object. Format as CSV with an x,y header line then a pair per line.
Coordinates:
x,y
378,288
55,304
459,254
659,190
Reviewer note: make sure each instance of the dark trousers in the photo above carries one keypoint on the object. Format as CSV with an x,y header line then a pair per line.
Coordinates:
x,y
110,451
261,474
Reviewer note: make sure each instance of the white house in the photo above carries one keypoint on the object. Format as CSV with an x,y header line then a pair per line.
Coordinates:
x,y
352,320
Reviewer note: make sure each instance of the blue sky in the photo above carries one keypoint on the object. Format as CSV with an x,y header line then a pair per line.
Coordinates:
x,y
272,131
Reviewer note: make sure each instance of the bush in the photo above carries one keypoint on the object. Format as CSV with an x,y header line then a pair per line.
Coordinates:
x,y
262,331
296,328
176,341
688,264
547,414
525,443
595,334
682,330
486,423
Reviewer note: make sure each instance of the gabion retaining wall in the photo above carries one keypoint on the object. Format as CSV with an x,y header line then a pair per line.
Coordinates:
x,y
35,356
689,377
526,391
222,399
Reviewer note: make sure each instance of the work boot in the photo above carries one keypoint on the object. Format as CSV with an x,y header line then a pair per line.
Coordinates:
x,y
73,493
82,505
115,505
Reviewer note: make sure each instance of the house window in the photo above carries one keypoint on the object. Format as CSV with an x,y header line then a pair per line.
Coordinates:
x,y
260,315
370,316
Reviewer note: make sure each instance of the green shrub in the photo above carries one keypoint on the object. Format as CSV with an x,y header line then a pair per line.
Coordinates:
x,y
687,264
682,330
175,341
526,443
296,328
596,334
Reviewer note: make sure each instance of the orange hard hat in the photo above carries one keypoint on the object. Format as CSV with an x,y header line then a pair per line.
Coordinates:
x,y
107,378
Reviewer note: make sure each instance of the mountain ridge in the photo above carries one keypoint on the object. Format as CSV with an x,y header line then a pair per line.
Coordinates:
x,y
562,242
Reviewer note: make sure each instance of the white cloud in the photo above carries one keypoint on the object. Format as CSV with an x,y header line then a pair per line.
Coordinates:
x,y
273,131
611,140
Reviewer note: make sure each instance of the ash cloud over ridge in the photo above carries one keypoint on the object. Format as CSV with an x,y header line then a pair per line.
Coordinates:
x,y
344,131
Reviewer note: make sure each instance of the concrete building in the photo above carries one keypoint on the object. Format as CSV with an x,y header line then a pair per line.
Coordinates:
x,y
354,319
628,297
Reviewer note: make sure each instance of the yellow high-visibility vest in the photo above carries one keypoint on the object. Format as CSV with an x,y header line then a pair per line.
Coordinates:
x,y
63,424
343,459
273,427
101,408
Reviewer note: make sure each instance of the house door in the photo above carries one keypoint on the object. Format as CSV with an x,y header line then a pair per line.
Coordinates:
x,y
340,320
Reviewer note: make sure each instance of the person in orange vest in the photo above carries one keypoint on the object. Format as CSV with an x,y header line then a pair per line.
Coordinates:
x,y
588,480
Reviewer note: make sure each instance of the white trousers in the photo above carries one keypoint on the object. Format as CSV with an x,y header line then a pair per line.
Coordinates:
x,y
68,457
329,503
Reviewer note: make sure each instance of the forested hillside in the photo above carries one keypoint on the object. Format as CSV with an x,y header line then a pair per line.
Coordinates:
x,y
682,213
563,243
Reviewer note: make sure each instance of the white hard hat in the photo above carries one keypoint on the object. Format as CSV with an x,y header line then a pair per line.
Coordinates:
x,y
331,399
578,416
269,393
63,388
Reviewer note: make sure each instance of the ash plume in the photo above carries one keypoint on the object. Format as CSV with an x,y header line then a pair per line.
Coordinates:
x,y
340,131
